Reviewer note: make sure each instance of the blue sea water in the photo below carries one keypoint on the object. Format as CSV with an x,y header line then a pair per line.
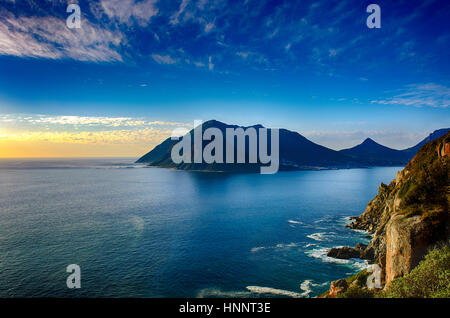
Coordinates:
x,y
151,232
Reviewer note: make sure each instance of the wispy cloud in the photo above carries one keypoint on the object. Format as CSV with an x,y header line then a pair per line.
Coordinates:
x,y
83,122
176,16
125,11
419,95
278,34
210,64
49,37
84,129
163,59
209,27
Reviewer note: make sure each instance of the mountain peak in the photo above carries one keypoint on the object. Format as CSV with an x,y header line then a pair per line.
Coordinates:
x,y
369,141
219,124
433,136
213,122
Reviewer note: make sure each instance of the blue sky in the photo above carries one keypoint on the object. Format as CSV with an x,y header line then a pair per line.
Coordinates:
x,y
309,66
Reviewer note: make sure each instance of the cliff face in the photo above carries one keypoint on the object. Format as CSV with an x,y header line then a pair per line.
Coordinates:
x,y
411,213
407,241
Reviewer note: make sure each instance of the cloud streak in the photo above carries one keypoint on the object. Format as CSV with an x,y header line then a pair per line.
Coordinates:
x,y
420,95
163,59
84,121
49,37
125,11
42,135
278,34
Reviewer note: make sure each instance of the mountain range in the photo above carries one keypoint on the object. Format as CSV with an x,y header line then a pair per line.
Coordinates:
x,y
295,153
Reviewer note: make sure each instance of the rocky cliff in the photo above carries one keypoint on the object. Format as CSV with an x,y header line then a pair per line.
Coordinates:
x,y
409,215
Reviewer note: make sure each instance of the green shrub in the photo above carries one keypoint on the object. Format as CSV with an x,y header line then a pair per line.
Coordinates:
x,y
430,279
361,277
356,291
357,286
424,193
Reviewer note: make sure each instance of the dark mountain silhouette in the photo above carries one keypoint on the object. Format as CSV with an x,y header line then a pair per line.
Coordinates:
x,y
431,137
373,154
296,153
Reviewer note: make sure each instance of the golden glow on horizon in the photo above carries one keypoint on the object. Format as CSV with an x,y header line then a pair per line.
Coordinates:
x,y
39,149
32,136
116,143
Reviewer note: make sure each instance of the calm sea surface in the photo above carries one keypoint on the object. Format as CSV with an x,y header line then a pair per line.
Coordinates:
x,y
150,232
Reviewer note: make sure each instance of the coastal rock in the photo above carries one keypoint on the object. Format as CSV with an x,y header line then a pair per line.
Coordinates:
x,y
409,215
444,149
337,287
407,241
376,212
347,252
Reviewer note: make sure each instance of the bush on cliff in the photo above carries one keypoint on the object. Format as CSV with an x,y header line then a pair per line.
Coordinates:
x,y
424,193
430,279
357,286
356,291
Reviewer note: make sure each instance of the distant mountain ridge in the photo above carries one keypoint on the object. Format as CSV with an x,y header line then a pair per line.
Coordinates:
x,y
296,153
373,154
431,137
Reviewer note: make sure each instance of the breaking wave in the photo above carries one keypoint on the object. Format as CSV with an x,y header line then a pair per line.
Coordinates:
x,y
321,236
278,246
274,291
321,253
307,285
215,292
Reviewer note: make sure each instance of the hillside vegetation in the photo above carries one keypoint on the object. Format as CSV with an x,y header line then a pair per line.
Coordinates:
x,y
406,218
426,192
430,279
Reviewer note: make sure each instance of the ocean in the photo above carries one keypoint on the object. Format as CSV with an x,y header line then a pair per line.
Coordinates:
x,y
150,232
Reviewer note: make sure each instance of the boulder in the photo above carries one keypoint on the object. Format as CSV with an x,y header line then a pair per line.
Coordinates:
x,y
346,252
337,287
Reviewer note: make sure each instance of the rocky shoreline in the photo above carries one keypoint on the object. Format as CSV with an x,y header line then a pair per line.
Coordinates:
x,y
406,218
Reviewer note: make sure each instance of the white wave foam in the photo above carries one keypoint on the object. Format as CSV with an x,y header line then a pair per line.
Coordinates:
x,y
304,286
321,253
278,246
307,285
362,231
316,236
360,264
345,219
288,245
256,249
214,292
326,218
321,236
274,291
295,222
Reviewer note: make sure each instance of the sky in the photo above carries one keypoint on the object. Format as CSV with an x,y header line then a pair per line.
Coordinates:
x,y
137,69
